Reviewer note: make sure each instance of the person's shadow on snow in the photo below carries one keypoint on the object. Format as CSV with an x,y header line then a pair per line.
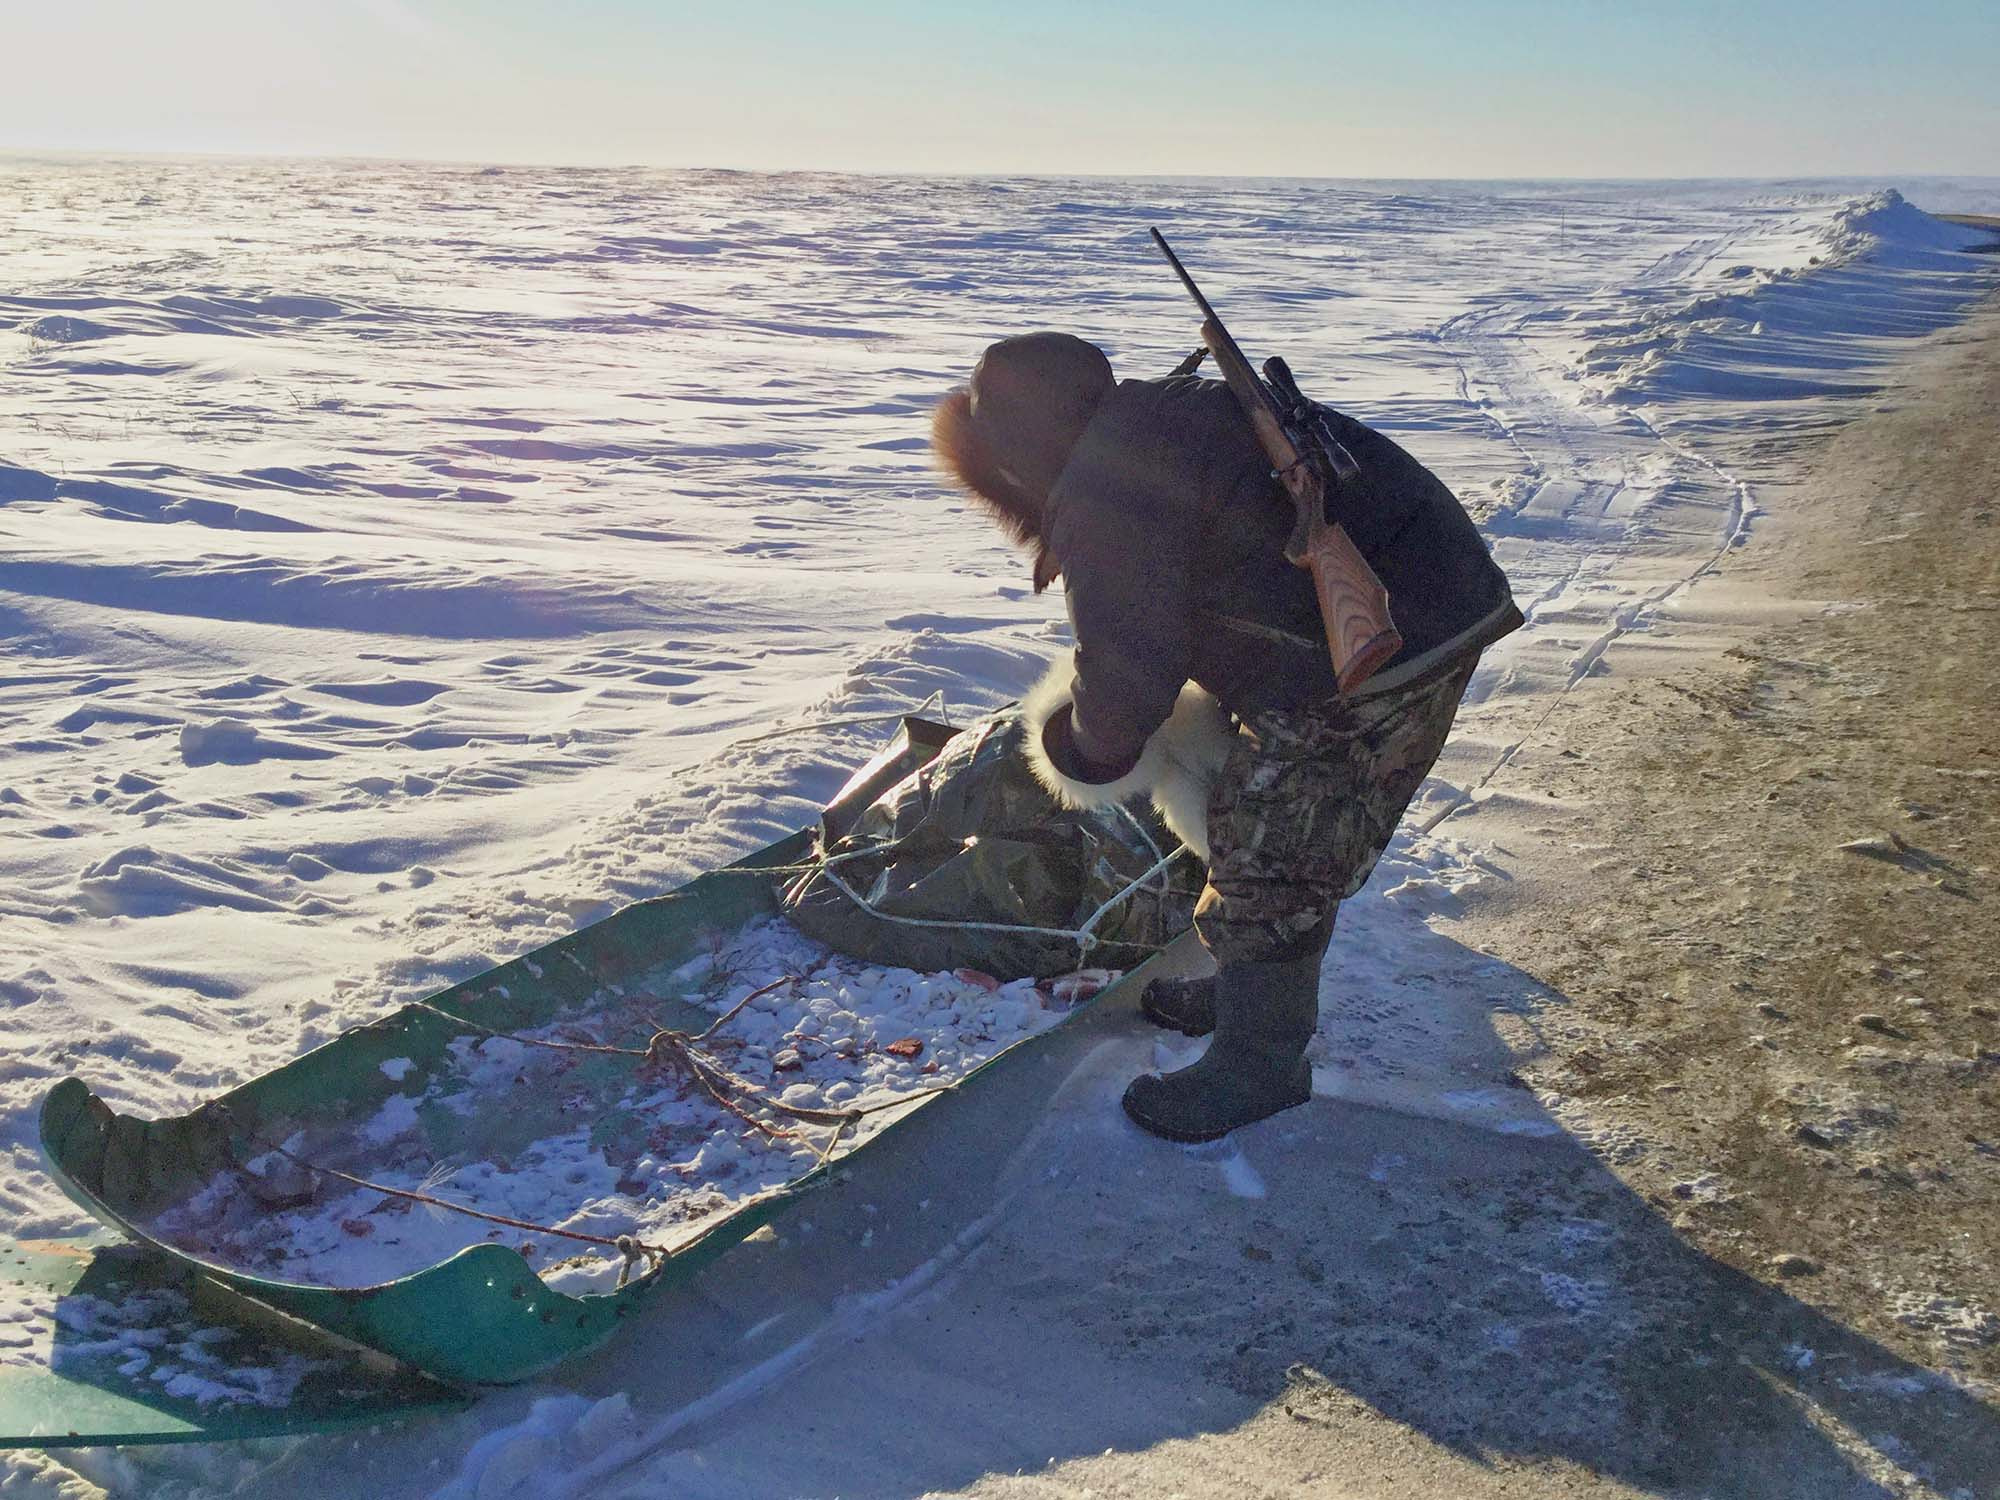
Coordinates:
x,y
1489,1285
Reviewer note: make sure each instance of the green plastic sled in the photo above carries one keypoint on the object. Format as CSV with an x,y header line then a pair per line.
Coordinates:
x,y
483,1316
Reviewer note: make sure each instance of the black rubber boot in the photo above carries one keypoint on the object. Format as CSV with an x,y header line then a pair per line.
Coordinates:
x,y
1183,1005
1255,1064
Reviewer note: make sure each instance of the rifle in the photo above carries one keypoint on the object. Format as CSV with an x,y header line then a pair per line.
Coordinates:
x,y
1312,465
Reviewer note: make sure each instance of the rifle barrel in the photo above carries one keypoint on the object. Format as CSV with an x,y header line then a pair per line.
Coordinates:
x,y
1186,280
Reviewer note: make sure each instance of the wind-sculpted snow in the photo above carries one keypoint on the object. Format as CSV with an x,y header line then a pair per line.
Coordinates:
x,y
398,563
1745,324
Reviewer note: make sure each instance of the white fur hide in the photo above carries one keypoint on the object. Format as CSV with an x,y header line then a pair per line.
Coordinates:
x,y
1176,768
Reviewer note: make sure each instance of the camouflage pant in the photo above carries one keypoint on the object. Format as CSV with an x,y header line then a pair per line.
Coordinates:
x,y
1305,805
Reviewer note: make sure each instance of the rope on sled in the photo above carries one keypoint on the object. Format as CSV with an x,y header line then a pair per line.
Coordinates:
x,y
629,1246
1084,936
680,1051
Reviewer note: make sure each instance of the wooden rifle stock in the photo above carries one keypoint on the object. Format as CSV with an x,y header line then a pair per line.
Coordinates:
x,y
1353,604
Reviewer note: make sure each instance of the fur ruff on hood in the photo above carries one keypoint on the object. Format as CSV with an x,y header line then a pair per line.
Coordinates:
x,y
965,457
1177,767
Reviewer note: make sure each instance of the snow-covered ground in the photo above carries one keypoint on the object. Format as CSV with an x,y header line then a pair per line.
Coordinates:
x,y
397,562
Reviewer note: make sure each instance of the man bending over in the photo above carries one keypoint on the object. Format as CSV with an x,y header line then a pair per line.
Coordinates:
x,y
1201,675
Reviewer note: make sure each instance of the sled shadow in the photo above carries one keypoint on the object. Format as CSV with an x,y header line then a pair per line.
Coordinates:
x,y
123,1347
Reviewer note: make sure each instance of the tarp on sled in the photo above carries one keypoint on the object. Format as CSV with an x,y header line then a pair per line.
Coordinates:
x,y
965,860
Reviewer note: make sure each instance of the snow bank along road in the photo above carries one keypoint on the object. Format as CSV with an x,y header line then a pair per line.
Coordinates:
x,y
393,560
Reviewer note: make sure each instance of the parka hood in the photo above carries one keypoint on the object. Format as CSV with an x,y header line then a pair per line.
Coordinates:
x,y
962,454
1006,436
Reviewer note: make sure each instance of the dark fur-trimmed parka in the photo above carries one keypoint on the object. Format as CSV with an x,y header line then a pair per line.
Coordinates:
x,y
1168,529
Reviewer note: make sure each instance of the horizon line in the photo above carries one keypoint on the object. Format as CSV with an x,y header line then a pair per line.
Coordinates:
x,y
120,153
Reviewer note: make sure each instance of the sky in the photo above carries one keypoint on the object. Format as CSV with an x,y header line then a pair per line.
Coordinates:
x,y
1448,88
